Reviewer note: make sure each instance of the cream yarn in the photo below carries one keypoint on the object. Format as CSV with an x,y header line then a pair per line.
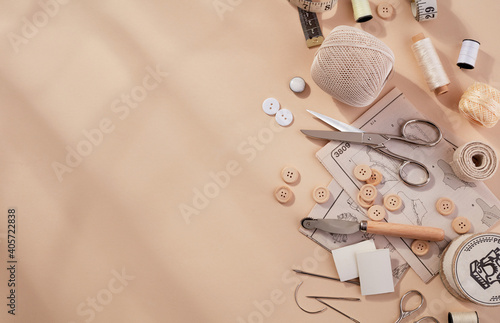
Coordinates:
x,y
352,66
481,104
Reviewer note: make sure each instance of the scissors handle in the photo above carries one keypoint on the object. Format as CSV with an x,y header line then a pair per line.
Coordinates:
x,y
407,163
404,313
406,136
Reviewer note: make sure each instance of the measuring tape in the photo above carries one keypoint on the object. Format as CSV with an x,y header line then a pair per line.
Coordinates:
x,y
424,10
310,6
310,27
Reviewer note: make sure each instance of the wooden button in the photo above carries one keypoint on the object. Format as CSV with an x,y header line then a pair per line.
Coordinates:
x,y
392,202
368,192
376,212
385,10
321,194
290,175
445,206
375,178
420,247
283,194
461,225
362,202
362,172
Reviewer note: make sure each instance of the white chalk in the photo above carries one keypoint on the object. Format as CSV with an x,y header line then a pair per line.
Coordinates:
x,y
345,259
375,272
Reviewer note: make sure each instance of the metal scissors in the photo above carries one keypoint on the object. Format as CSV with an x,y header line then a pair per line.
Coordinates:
x,y
377,141
403,312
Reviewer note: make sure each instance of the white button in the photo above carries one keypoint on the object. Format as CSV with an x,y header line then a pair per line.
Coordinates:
x,y
270,106
297,84
284,117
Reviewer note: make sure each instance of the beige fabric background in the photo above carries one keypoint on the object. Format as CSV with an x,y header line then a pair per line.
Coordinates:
x,y
175,89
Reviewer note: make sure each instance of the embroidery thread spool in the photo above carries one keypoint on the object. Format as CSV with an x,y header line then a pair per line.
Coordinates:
x,y
428,61
468,54
362,11
463,317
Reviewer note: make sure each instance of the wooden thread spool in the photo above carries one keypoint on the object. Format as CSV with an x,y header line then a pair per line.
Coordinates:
x,y
428,61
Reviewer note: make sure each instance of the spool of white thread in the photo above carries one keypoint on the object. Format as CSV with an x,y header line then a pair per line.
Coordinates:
x,y
463,317
474,161
428,61
464,269
362,11
468,54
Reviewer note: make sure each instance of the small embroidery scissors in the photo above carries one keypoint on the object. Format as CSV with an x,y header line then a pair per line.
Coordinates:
x,y
403,312
377,141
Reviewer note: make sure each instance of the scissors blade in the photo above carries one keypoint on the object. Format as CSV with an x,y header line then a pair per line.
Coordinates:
x,y
335,123
372,139
356,137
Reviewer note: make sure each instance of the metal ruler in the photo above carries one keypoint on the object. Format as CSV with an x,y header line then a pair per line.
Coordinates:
x,y
424,10
311,28
310,6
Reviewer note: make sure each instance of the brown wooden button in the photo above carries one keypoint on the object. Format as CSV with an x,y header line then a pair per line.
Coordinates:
x,y
392,202
283,194
461,225
385,10
321,194
375,178
376,212
368,192
362,172
362,202
445,206
290,175
420,247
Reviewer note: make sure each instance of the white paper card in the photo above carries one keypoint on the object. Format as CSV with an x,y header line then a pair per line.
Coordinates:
x,y
345,258
375,272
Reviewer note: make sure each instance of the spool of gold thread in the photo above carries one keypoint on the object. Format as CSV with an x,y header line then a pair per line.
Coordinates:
x,y
362,11
480,104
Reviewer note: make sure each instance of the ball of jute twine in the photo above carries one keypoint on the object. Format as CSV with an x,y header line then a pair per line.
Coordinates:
x,y
352,66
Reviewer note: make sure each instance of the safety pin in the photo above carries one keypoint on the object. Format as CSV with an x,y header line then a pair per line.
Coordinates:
x,y
321,276
333,308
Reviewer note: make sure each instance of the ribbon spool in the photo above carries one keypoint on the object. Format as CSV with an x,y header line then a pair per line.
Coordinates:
x,y
470,269
468,54
463,317
352,66
428,61
474,161
480,104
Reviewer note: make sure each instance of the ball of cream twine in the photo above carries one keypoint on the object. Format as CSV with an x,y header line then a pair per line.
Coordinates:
x,y
352,66
480,104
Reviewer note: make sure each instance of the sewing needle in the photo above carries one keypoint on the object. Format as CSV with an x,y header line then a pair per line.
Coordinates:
x,y
333,308
321,276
